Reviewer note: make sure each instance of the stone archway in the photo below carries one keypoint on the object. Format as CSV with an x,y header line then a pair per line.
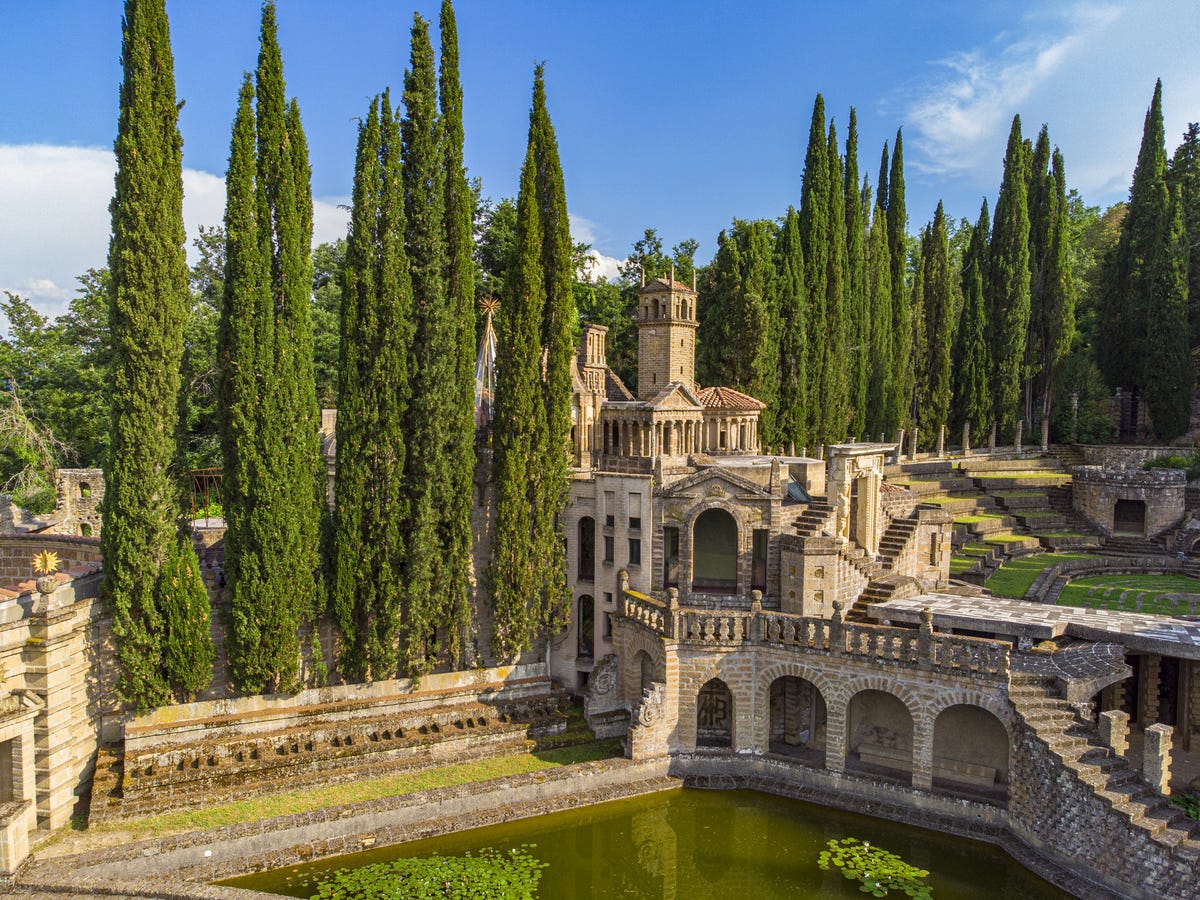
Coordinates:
x,y
879,734
715,553
798,720
714,715
645,670
970,751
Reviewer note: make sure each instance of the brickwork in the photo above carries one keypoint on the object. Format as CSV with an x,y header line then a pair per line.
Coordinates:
x,y
17,552
1096,492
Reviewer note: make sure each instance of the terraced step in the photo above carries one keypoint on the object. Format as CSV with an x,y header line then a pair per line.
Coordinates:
x,y
814,519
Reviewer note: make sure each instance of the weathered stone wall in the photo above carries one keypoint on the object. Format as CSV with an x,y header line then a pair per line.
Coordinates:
x,y
1123,456
17,552
1096,491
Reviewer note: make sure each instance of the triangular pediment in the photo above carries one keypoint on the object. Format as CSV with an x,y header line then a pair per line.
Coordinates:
x,y
714,482
676,395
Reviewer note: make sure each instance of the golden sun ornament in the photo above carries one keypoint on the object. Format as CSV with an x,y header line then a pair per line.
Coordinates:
x,y
46,563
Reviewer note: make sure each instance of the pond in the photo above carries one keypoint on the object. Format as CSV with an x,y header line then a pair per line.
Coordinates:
x,y
695,843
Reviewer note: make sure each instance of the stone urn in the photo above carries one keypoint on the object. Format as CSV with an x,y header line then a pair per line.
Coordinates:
x,y
46,584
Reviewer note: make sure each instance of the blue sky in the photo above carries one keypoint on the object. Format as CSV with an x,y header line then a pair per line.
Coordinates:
x,y
674,115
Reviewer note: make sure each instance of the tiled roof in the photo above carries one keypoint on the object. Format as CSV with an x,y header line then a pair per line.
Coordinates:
x,y
727,398
663,284
614,387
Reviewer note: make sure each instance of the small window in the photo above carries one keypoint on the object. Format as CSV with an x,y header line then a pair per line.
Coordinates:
x,y
85,489
608,597
609,520
635,551
670,557
635,524
608,548
608,626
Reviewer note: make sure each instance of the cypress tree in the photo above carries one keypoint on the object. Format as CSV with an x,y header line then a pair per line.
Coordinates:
x,y
858,330
938,298
1121,336
1169,372
1008,283
881,406
881,190
814,240
897,224
460,293
1042,214
1185,173
1057,318
972,364
373,395
434,361
559,321
518,379
151,575
835,393
274,463
791,421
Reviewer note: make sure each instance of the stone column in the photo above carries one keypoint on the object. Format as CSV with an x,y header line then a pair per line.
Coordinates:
x,y
1156,759
1114,729
966,438
1148,702
992,439
912,453
922,753
941,443
1045,434
835,733
899,446
1020,429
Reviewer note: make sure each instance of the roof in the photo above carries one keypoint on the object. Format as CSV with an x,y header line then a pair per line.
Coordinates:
x,y
664,284
614,387
727,398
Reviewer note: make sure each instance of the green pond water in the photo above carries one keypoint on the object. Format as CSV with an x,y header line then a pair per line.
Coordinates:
x,y
700,844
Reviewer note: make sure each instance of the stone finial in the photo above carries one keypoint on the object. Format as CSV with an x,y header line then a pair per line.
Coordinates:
x,y
1156,760
672,598
1114,728
623,580
756,601
927,620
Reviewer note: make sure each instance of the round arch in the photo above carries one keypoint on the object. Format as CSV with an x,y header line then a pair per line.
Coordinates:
x,y
971,747
714,715
715,536
879,733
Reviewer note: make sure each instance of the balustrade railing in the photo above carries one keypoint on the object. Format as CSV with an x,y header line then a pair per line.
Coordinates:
x,y
914,648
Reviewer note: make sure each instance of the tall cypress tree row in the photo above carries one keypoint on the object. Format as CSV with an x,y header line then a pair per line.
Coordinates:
x,y
881,189
373,395
791,423
835,393
1008,283
881,405
897,224
939,302
160,616
814,218
460,293
1168,371
434,360
559,321
274,462
858,330
1041,208
1057,315
972,402
1185,174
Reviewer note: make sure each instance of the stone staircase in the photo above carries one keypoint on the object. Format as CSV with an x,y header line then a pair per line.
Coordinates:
x,y
816,519
1132,547
1067,454
1077,745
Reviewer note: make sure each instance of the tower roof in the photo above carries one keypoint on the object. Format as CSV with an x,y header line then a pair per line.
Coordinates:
x,y
728,398
657,285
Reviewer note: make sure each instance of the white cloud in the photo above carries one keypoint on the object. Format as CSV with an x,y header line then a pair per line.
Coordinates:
x,y
55,222
603,268
959,116
600,266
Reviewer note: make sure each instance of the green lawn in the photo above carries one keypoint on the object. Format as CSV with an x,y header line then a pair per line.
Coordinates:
x,y
1123,592
1039,476
1016,576
960,564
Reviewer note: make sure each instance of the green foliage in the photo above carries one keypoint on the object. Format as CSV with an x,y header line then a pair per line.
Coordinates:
x,y
148,295
897,224
1169,372
1190,463
28,456
972,400
183,600
1184,173
858,320
791,421
1189,803
878,871
1007,289
881,406
813,224
487,874
939,300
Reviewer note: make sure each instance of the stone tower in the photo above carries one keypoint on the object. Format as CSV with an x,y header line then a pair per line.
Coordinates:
x,y
667,325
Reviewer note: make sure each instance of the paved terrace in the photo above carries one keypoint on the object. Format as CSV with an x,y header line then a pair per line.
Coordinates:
x,y
1139,632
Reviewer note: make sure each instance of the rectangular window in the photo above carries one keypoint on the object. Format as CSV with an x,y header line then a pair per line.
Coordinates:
x,y
758,560
635,551
610,507
608,548
670,557
608,597
635,523
608,625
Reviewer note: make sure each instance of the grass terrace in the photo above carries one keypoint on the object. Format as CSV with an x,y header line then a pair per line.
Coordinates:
x,y
1016,576
1134,593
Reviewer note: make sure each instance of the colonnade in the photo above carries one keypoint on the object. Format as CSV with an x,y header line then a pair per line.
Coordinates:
x,y
679,437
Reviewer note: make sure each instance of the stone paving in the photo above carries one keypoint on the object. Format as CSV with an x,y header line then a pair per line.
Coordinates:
x,y
1141,632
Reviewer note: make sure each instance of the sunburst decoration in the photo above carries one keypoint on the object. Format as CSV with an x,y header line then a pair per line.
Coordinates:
x,y
46,563
489,305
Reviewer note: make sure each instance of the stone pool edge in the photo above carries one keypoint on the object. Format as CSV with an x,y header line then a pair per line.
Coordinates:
x,y
177,869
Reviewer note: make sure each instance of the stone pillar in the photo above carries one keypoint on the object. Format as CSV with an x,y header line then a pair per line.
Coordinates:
x,y
1156,759
913,452
837,629
899,446
925,640
867,518
922,753
1148,702
1020,434
1114,729
992,439
1045,435
941,443
966,438
835,733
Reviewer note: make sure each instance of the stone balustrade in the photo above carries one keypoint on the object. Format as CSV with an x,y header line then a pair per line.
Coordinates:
x,y
912,648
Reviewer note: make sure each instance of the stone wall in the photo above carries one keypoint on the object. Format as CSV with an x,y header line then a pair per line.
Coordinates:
x,y
18,550
1123,456
1096,491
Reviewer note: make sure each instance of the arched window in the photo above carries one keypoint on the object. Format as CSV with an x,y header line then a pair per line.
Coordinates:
x,y
587,549
714,715
585,626
714,553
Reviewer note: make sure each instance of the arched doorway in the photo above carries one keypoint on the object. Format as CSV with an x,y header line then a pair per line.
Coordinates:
x,y
645,669
1129,518
714,553
970,752
879,731
585,627
714,715
798,719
